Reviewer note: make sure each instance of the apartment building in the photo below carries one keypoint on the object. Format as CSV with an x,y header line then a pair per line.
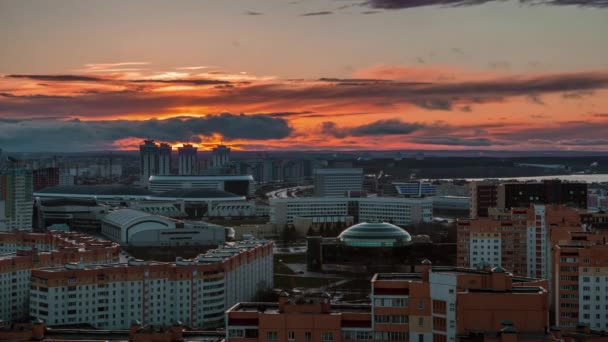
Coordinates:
x,y
439,304
195,292
22,251
580,289
518,239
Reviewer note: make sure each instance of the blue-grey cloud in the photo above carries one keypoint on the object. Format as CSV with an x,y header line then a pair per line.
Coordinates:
x,y
313,14
405,4
77,135
380,127
60,78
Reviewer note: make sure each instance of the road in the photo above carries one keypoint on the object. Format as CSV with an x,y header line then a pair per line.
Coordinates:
x,y
288,192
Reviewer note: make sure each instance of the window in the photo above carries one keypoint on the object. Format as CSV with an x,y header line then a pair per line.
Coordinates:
x,y
420,322
291,336
272,336
307,336
327,337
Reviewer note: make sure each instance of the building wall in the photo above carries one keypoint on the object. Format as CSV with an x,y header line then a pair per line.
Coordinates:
x,y
24,251
196,292
580,290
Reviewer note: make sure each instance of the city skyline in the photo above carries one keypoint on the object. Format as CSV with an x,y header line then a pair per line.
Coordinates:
x,y
313,75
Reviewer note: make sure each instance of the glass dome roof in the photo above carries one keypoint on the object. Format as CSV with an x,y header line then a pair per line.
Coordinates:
x,y
378,234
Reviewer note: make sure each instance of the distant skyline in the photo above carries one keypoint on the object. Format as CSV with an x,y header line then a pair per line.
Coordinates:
x,y
304,75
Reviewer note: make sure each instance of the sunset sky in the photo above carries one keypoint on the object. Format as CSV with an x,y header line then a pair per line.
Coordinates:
x,y
304,75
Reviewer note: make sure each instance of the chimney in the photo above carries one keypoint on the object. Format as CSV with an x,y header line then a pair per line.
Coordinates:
x,y
177,331
38,330
556,333
426,269
508,333
283,299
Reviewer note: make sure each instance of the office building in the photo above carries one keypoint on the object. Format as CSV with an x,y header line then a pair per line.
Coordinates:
x,y
187,160
16,200
196,292
242,185
406,307
399,211
22,251
148,157
164,159
220,156
337,182
519,239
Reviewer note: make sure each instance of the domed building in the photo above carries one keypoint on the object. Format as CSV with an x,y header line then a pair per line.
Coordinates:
x,y
375,234
371,247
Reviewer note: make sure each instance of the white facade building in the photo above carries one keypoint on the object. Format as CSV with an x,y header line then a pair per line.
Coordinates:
x,y
396,210
337,182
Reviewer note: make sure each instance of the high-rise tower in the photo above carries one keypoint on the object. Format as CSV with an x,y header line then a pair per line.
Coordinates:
x,y
164,160
149,155
187,160
221,156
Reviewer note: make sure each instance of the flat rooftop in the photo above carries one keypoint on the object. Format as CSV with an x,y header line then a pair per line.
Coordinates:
x,y
273,308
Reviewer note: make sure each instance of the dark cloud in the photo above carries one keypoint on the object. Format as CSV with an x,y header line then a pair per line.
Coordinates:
x,y
370,12
193,81
380,127
71,135
584,142
576,95
458,141
434,104
253,13
405,4
465,109
59,78
435,96
312,14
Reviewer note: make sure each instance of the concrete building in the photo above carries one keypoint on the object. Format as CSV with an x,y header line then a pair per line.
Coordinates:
x,y
399,211
405,307
490,194
187,160
242,185
164,159
45,177
148,157
16,201
337,182
484,195
79,214
22,251
137,228
220,156
196,292
414,189
518,239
